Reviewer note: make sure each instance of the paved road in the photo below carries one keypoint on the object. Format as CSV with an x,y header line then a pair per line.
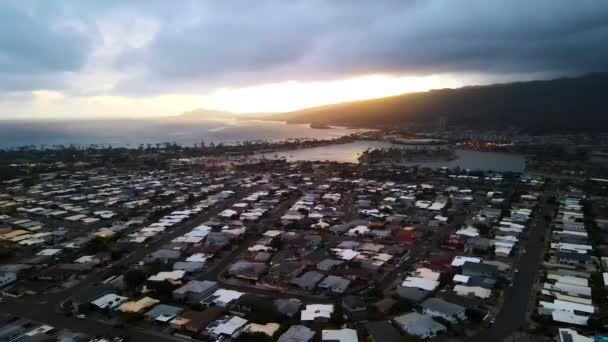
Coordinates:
x,y
513,315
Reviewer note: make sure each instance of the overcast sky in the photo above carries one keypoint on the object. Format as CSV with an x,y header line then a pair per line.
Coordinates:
x,y
62,58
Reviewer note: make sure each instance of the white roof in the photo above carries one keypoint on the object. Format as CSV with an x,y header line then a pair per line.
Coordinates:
x,y
460,260
480,292
345,254
342,335
567,306
574,336
468,231
459,278
313,311
198,257
569,317
358,230
229,327
49,251
568,279
427,274
227,213
273,233
226,296
421,283
173,275
269,328
437,205
110,300
197,233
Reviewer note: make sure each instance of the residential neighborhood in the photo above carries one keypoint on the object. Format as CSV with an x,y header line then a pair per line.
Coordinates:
x,y
293,251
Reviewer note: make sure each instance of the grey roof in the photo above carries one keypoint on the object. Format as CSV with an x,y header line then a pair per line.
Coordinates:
x,y
382,331
288,307
196,286
354,303
188,266
297,333
328,264
572,255
473,268
163,254
566,336
412,294
308,280
247,269
334,283
440,305
502,267
164,310
416,324
486,283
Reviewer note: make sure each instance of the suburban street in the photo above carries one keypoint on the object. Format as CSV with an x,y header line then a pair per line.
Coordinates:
x,y
514,313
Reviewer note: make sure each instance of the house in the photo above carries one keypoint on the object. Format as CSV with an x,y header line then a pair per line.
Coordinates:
x,y
422,326
7,278
570,335
194,322
226,327
328,264
473,269
477,291
439,308
163,313
287,307
297,333
109,301
334,284
247,270
412,294
167,276
268,329
317,312
189,267
354,307
195,291
138,306
11,331
163,256
566,312
308,280
382,331
223,298
574,259
341,335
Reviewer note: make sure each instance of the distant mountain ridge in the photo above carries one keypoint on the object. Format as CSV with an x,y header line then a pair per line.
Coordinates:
x,y
206,114
211,114
561,105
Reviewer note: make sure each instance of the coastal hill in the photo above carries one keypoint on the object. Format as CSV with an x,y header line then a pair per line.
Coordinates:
x,y
205,114
211,114
559,105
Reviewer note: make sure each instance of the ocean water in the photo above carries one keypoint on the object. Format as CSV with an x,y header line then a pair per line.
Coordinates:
x,y
132,133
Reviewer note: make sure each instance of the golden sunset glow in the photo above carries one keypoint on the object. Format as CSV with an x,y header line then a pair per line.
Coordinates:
x,y
263,98
293,95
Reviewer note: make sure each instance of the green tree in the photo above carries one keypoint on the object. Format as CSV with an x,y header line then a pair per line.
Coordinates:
x,y
134,278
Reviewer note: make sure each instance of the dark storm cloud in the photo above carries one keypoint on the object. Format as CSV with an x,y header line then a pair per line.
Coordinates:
x,y
37,47
205,44
234,42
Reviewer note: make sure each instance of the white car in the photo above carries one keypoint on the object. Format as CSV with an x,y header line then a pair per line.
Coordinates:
x,y
81,316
